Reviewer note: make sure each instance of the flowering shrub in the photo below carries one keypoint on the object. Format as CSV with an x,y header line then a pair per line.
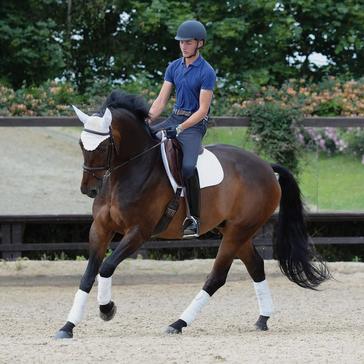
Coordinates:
x,y
49,99
326,140
330,97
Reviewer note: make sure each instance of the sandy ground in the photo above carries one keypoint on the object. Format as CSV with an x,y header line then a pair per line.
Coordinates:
x,y
307,327
41,170
35,297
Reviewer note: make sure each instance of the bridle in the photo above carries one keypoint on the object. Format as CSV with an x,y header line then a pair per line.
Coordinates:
x,y
111,148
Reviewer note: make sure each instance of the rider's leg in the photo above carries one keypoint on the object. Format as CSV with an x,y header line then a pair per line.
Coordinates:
x,y
190,140
192,223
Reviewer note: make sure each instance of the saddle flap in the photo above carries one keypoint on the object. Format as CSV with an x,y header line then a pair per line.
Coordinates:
x,y
174,156
209,168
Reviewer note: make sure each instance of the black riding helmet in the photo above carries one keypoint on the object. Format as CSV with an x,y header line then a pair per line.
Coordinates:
x,y
191,29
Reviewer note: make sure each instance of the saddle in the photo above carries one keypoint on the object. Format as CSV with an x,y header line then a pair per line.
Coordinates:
x,y
174,155
209,170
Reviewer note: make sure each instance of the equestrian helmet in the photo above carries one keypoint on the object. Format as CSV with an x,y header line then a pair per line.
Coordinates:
x,y
191,29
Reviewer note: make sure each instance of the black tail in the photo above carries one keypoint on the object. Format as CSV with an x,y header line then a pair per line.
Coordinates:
x,y
297,258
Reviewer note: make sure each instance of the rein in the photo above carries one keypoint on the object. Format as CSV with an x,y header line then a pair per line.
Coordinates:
x,y
110,170
108,167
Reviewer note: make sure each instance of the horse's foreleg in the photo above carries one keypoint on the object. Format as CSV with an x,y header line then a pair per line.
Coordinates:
x,y
106,305
255,266
98,244
215,280
127,246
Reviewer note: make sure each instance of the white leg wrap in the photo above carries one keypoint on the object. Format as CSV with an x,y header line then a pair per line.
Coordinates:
x,y
78,307
264,298
104,290
195,307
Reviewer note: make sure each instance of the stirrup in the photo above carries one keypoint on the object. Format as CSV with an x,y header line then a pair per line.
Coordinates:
x,y
191,228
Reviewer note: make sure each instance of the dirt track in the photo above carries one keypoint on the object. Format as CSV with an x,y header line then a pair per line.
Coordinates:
x,y
41,170
308,327
35,297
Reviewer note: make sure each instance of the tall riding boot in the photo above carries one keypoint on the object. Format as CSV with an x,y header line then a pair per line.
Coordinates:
x,y
191,225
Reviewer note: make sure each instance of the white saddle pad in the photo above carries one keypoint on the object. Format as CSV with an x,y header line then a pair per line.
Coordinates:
x,y
209,169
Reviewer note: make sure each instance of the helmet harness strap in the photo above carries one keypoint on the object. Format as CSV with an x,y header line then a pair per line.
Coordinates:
x,y
196,49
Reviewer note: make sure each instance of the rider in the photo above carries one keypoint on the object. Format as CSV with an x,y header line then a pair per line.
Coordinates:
x,y
194,81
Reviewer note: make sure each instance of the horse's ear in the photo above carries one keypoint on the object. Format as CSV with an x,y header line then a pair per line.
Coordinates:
x,y
107,117
81,115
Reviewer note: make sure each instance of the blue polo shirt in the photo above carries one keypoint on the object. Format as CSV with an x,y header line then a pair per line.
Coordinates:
x,y
189,81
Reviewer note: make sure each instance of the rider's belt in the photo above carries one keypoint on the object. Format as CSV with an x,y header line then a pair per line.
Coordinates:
x,y
182,112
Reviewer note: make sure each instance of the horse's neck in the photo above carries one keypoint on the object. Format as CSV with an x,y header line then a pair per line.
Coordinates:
x,y
140,158
134,139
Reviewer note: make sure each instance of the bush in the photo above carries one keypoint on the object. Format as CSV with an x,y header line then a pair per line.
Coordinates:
x,y
274,130
331,97
354,138
328,140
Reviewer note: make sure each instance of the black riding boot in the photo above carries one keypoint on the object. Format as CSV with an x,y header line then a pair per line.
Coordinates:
x,y
191,225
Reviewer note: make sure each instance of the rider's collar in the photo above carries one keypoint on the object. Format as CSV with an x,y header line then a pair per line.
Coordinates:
x,y
195,63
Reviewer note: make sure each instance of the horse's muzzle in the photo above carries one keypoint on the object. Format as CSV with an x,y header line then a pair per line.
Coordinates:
x,y
90,192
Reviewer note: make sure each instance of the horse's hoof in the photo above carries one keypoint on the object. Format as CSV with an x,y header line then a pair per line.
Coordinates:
x,y
109,315
63,335
172,331
176,327
261,324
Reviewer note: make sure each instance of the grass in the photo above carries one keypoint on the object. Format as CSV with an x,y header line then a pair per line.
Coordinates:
x,y
333,183
328,183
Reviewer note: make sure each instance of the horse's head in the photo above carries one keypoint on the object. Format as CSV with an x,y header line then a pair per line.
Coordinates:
x,y
105,145
97,146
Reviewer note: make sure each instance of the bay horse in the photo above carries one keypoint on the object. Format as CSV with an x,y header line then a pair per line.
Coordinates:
x,y
124,172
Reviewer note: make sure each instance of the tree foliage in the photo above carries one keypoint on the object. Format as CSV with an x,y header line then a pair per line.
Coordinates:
x,y
31,51
260,41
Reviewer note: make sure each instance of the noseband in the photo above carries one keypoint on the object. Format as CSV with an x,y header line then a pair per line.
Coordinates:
x,y
111,147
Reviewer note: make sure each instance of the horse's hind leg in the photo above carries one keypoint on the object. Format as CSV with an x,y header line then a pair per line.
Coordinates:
x,y
215,280
255,266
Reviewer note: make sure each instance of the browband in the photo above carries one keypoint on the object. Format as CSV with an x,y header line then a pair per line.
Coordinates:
x,y
96,132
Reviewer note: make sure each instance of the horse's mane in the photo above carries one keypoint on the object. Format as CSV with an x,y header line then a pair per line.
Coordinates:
x,y
121,100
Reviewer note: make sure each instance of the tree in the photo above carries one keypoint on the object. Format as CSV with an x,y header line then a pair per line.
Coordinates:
x,y
30,45
260,41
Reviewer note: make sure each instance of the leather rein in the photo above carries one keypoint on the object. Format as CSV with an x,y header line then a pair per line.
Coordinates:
x,y
108,168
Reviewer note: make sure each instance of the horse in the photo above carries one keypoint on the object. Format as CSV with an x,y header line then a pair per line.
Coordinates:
x,y
124,173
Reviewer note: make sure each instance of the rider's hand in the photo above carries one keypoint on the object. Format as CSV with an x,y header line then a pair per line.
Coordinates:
x,y
171,132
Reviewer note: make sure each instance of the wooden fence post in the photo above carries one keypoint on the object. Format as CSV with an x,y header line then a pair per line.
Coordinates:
x,y
12,234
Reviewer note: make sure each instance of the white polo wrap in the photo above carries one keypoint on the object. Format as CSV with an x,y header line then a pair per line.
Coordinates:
x,y
264,298
104,290
195,307
78,307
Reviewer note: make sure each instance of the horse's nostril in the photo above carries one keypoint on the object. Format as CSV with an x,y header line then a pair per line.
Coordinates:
x,y
92,193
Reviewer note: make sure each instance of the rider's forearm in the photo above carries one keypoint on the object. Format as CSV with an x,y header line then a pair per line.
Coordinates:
x,y
156,109
195,118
